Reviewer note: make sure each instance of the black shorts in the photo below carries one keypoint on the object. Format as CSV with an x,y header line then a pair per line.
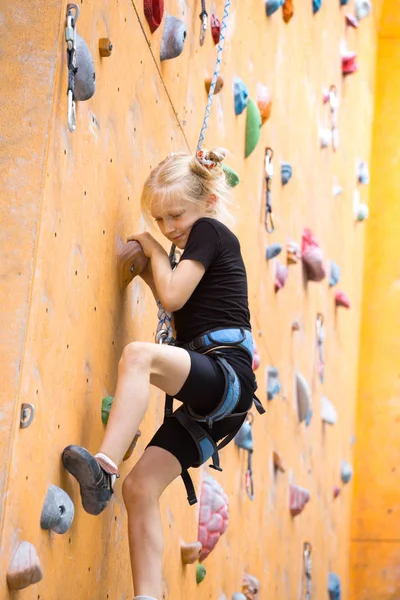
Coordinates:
x,y
202,391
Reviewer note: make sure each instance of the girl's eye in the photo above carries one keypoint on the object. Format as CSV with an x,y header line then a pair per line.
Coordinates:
x,y
176,216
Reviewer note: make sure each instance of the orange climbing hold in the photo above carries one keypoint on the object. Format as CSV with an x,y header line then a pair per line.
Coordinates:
x,y
218,86
25,568
190,552
264,102
287,10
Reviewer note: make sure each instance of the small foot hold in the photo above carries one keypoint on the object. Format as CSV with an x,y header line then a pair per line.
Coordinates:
x,y
131,448
200,573
25,568
190,552
131,262
278,462
58,510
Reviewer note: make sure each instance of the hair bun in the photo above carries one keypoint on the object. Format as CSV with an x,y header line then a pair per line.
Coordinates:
x,y
217,154
211,158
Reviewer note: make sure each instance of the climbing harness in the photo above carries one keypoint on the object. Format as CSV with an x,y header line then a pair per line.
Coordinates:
x,y
320,346
307,569
203,18
70,38
269,171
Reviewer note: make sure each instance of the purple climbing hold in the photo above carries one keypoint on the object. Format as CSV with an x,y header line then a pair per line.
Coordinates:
x,y
241,94
173,39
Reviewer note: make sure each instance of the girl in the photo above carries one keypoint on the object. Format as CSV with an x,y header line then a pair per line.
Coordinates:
x,y
208,369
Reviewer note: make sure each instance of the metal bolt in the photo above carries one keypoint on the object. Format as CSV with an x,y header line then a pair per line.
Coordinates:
x,y
105,47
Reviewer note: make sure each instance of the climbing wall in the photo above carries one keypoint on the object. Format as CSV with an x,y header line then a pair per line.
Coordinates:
x,y
69,199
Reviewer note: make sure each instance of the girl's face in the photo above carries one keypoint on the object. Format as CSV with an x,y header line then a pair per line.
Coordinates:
x,y
176,219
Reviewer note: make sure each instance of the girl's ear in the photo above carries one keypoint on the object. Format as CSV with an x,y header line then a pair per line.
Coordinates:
x,y
211,202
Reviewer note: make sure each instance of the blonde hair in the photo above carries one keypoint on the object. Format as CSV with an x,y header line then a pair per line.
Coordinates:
x,y
185,177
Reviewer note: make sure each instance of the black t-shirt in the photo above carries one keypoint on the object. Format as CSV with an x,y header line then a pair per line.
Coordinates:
x,y
221,298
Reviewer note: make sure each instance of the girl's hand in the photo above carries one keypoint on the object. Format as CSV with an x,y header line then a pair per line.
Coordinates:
x,y
131,262
147,242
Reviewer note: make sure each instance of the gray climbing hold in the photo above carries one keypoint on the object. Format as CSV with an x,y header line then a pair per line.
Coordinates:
x,y
273,385
272,251
244,437
85,77
346,472
173,38
286,172
58,510
334,587
238,596
334,274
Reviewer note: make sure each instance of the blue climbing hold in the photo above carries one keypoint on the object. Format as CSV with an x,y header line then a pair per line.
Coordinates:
x,y
346,472
286,172
271,6
344,2
334,587
334,273
272,251
241,94
273,385
244,437
316,5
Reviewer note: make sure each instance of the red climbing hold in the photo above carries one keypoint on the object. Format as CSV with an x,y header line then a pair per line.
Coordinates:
x,y
281,275
342,300
213,515
312,257
154,11
349,64
298,498
215,28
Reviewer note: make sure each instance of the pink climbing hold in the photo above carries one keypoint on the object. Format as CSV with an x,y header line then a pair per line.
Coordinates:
x,y
342,300
153,11
349,64
256,357
312,257
215,28
213,515
352,21
298,498
336,491
281,275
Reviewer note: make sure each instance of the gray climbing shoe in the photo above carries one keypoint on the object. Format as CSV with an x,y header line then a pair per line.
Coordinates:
x,y
94,482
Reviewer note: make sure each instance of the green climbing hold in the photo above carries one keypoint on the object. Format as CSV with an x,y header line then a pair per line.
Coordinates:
x,y
253,127
200,573
106,404
232,177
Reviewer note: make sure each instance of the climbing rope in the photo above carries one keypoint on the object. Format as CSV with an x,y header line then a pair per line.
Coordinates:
x,y
215,76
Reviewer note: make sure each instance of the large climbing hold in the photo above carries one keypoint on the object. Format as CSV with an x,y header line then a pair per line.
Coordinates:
x,y
264,101
346,471
251,587
273,384
303,396
312,257
342,300
240,95
190,552
328,411
58,510
281,275
253,127
334,273
85,76
173,38
334,587
153,11
287,10
25,568
272,251
298,498
362,8
213,514
215,28
271,6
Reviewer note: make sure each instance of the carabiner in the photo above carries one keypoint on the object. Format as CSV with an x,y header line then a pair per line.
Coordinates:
x,y
203,18
71,112
249,476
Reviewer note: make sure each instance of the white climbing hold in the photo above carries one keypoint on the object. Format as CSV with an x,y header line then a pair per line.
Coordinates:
x,y
362,212
362,8
25,568
325,137
328,411
303,394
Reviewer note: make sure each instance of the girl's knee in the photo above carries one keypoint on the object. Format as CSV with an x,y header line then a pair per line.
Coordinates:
x,y
139,488
135,354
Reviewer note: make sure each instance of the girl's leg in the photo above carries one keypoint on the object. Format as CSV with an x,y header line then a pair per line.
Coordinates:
x,y
155,470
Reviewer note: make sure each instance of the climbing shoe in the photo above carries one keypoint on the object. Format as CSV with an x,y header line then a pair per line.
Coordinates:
x,y
95,483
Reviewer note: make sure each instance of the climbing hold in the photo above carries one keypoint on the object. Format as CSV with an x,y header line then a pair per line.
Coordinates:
x,y
58,510
256,357
131,448
240,94
342,300
105,47
213,514
337,190
298,498
200,573
271,6
244,437
251,587
362,212
232,177
215,28
363,173
277,461
264,102
334,273
352,21
325,137
287,10
281,275
273,384
286,172
303,394
328,411
293,253
253,127
362,8
344,2
238,596
153,11
190,552
25,568
106,404
131,261
272,251
26,416
312,257
173,38
346,471
316,5
296,325
85,77
349,64
334,587
218,86
336,491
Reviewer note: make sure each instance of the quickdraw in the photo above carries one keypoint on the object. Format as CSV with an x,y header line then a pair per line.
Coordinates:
x,y
203,18
269,171
307,569
244,440
164,333
70,38
320,346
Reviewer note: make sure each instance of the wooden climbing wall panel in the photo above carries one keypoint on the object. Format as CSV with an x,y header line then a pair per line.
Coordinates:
x,y
65,321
